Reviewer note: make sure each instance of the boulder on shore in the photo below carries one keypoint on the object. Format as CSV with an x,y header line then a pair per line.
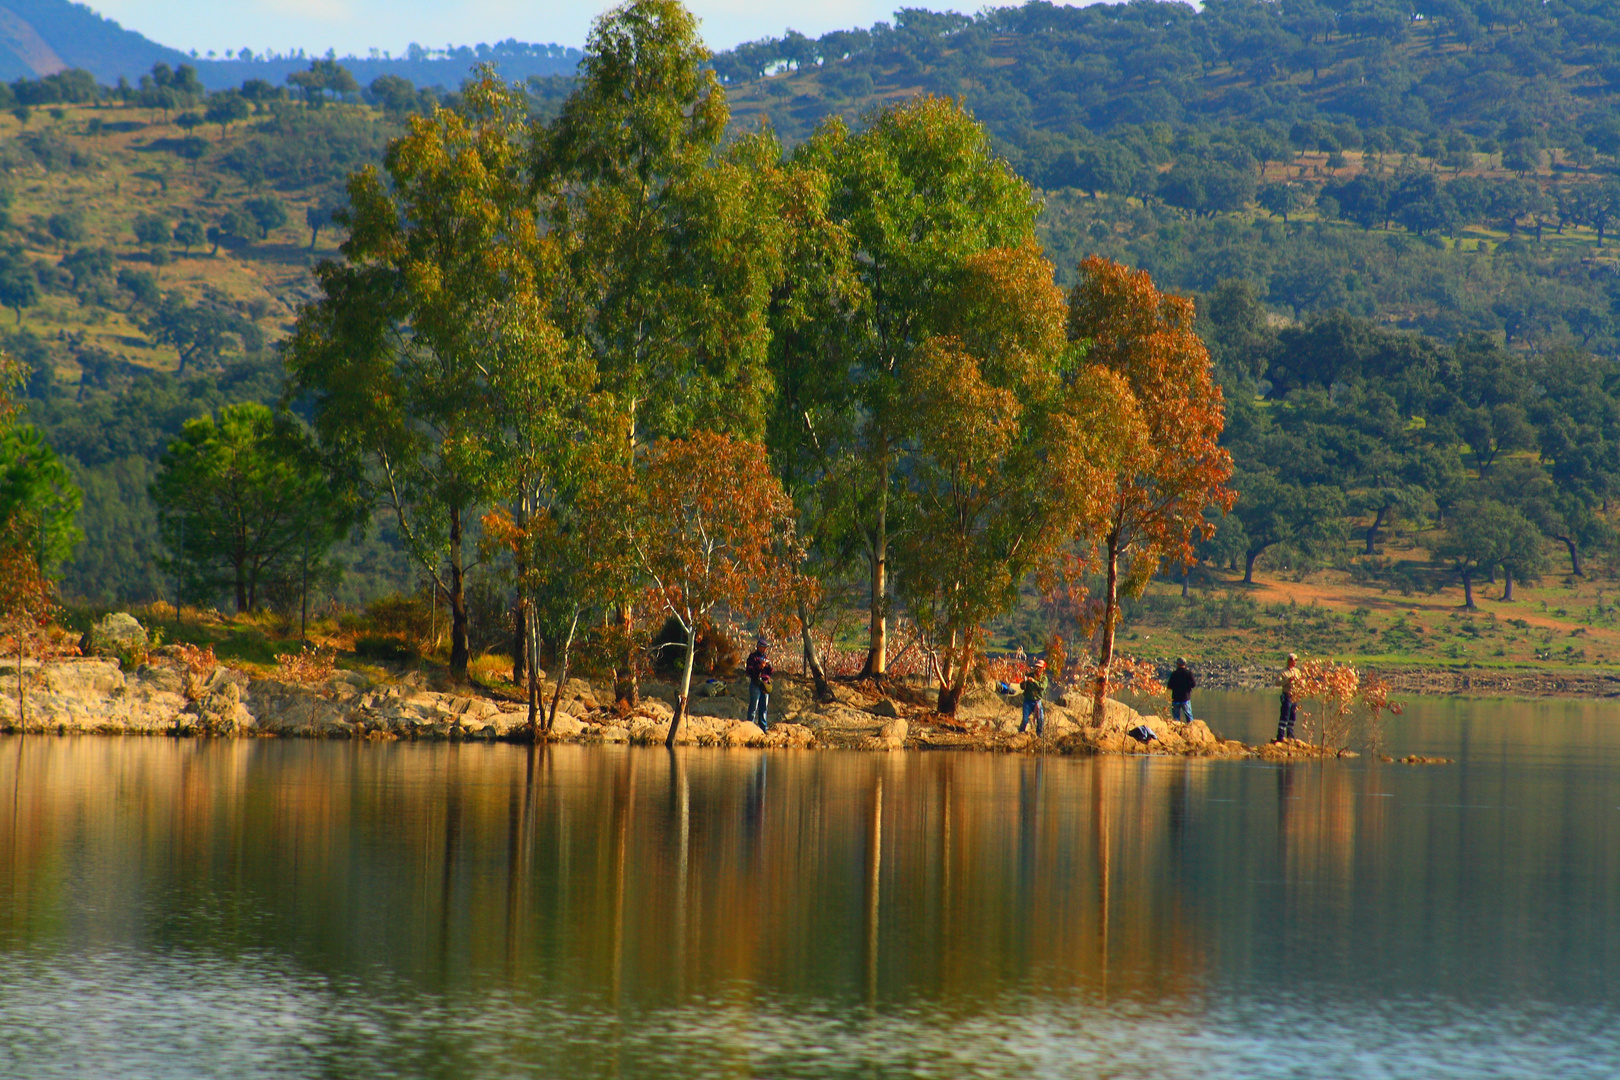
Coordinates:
x,y
119,635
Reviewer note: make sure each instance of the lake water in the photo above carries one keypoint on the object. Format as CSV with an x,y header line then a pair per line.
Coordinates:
x,y
261,908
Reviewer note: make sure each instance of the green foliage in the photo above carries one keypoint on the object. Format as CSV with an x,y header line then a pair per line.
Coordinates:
x,y
189,232
245,507
267,212
388,356
38,498
151,230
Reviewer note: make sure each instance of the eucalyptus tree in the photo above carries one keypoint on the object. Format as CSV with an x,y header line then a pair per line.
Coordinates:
x,y
669,244
392,355
915,195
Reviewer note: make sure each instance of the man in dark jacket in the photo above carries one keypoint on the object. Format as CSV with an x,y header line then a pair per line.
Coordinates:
x,y
1034,688
1181,683
759,684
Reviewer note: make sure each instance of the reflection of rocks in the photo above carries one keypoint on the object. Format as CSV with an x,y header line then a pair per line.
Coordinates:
x,y
165,696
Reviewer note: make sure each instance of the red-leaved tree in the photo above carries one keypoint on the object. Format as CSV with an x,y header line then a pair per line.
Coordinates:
x,y
716,529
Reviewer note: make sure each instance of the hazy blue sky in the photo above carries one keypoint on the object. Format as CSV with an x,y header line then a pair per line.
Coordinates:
x,y
354,26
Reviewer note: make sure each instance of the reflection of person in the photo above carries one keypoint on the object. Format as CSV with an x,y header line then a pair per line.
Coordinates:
x,y
759,684
1034,688
1288,707
1181,683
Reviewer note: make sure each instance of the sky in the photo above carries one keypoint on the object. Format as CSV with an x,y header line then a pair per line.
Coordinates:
x,y
354,27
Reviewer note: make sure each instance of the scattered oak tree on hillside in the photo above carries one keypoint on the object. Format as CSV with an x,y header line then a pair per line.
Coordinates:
x,y
1158,493
1269,512
1483,535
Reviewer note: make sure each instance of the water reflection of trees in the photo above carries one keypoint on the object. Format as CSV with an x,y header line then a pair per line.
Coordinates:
x,y
618,873
627,877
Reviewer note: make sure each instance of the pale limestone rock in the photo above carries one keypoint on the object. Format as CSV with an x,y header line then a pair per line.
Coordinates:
x,y
1197,733
566,727
743,733
726,708
655,709
790,735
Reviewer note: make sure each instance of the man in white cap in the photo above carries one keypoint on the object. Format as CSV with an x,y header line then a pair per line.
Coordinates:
x,y
1289,707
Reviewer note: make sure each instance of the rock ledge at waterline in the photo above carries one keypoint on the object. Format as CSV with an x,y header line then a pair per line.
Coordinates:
x,y
164,697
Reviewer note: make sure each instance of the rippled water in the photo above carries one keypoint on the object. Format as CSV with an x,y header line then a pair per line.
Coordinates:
x,y
174,908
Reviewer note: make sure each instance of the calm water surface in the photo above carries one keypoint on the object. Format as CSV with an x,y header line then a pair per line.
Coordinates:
x,y
174,908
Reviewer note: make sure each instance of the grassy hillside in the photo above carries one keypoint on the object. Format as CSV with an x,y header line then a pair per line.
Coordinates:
x,y
111,314
115,168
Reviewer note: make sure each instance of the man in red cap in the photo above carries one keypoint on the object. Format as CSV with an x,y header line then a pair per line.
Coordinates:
x,y
1034,688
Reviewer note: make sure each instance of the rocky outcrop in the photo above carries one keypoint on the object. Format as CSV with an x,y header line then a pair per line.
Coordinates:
x,y
168,695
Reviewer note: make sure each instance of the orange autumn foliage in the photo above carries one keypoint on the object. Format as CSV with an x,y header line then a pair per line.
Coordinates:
x,y
1163,484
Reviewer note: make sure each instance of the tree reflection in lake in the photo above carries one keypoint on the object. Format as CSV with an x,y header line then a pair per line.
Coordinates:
x,y
603,905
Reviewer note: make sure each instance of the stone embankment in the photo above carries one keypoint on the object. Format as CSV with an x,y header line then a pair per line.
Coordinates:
x,y
166,695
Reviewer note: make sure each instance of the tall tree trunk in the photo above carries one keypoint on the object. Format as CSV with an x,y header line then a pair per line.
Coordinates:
x,y
1372,531
686,685
1105,654
626,690
521,623
531,669
1574,556
952,677
1507,583
877,653
812,663
458,600
1468,589
562,671
1248,565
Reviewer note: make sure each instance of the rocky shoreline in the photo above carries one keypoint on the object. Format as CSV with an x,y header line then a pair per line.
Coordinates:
x,y
167,695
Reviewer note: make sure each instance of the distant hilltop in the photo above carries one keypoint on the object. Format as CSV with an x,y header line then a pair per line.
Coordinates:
x,y
42,37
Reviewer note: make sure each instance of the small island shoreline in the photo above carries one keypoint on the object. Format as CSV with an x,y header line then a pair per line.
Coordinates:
x,y
167,696
1434,680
